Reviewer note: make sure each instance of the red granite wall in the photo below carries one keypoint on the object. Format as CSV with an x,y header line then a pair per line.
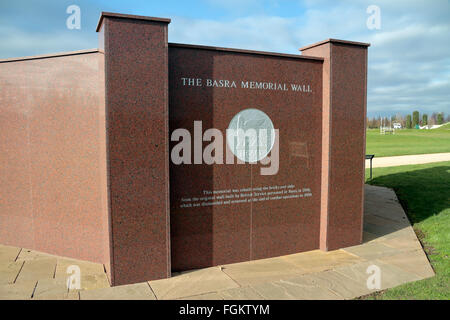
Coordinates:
x,y
52,142
136,106
213,235
344,139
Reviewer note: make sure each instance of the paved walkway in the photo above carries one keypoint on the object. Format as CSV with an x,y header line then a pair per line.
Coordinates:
x,y
405,160
389,243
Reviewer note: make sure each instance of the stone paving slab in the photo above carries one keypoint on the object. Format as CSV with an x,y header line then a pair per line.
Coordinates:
x,y
367,237
192,283
9,272
391,276
54,289
31,255
17,291
71,295
140,291
415,262
339,284
294,289
8,254
37,270
242,293
403,243
316,260
93,275
85,267
206,296
94,281
256,271
381,221
372,250
405,234
378,231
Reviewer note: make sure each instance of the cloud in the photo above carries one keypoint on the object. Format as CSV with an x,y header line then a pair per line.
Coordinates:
x,y
236,5
39,27
409,57
18,43
255,32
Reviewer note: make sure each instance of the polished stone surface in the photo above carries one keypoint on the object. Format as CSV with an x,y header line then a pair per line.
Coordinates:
x,y
52,183
228,233
343,145
136,106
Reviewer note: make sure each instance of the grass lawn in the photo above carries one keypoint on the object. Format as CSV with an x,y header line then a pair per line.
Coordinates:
x,y
408,141
424,191
444,127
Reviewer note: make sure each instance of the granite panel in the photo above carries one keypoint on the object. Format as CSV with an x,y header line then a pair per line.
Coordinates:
x,y
219,234
345,86
349,87
136,91
323,51
51,171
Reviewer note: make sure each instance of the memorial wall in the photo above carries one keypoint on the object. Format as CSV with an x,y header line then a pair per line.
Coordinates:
x,y
152,157
223,213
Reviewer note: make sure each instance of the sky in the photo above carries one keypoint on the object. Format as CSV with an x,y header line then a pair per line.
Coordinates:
x,y
409,57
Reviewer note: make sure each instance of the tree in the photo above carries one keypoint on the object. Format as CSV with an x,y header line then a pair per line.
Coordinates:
x,y
408,121
400,119
433,119
424,119
393,119
375,123
415,118
440,118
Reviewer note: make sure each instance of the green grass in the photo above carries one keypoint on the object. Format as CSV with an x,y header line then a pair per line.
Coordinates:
x,y
412,141
424,191
444,127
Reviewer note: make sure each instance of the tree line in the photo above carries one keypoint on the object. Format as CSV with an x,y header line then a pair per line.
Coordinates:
x,y
409,121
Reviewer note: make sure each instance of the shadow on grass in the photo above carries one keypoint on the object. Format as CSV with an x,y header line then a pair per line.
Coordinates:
x,y
422,192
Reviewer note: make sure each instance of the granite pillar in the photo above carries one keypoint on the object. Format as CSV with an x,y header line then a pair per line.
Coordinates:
x,y
136,105
343,140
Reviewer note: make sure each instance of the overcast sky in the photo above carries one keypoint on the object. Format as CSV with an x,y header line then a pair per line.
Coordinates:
x,y
409,57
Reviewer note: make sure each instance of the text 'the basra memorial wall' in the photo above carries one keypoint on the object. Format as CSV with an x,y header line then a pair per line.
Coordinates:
x,y
151,157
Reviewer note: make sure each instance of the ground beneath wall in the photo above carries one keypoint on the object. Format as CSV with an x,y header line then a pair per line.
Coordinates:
x,y
390,244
